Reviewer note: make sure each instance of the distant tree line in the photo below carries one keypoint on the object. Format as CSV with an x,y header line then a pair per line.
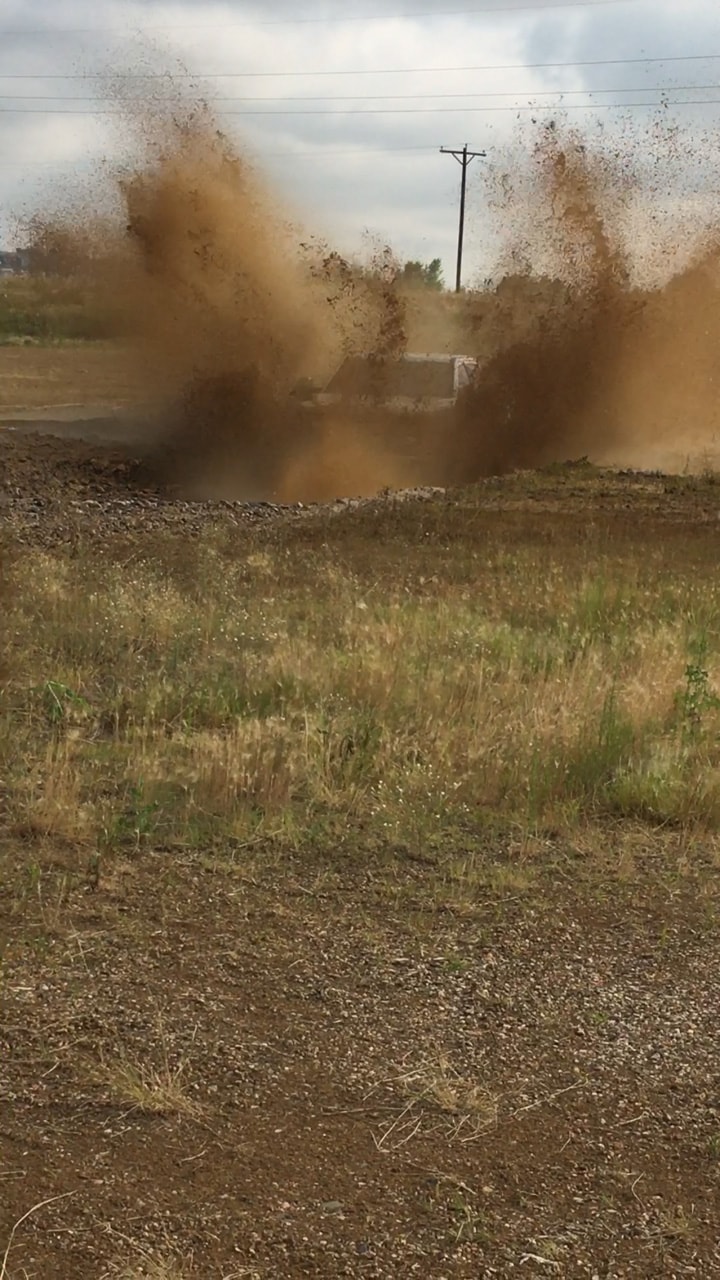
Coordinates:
x,y
423,275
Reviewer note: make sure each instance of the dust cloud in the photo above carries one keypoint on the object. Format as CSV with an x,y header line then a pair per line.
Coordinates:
x,y
620,356
591,338
224,305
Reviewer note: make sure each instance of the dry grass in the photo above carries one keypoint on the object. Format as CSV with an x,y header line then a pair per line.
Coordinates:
x,y
20,1223
166,1266
439,1098
305,772
426,696
149,1266
158,1084
153,1090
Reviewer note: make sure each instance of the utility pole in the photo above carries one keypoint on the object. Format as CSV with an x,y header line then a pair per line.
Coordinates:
x,y
463,157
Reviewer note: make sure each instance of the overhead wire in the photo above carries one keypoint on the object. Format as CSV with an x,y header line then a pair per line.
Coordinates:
x,y
324,20
389,97
385,111
170,76
666,92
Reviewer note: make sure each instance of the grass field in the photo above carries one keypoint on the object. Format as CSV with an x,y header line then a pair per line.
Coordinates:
x,y
56,348
48,309
419,671
359,888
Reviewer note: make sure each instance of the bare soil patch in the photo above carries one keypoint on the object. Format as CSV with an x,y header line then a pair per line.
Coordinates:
x,y
35,376
361,1090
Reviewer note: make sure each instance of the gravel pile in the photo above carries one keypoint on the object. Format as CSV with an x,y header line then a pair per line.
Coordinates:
x,y
55,490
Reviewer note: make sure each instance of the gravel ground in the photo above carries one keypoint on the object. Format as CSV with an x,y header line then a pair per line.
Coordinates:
x,y
528,1092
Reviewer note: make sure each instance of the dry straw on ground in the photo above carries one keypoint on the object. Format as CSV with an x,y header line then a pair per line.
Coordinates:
x,y
288,692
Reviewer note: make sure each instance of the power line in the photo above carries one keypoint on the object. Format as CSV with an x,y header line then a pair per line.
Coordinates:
x,y
324,21
388,97
320,153
170,77
382,111
393,111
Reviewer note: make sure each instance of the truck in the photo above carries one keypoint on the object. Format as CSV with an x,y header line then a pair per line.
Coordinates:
x,y
410,383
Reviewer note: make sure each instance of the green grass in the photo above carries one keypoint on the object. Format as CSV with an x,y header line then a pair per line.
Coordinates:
x,y
37,309
359,686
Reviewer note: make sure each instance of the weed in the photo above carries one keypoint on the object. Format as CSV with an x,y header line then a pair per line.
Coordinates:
x,y
471,1223
59,701
149,1265
156,1091
137,821
439,1098
675,1224
50,310
33,875
697,697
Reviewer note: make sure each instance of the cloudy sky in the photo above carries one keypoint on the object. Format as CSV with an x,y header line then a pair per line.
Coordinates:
x,y
347,102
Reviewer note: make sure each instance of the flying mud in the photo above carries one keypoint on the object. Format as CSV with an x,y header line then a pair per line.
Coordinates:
x,y
589,342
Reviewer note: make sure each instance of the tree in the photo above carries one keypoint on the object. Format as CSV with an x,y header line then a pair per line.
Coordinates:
x,y
426,275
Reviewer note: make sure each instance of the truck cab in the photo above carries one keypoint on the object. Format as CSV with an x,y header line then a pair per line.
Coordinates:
x,y
411,383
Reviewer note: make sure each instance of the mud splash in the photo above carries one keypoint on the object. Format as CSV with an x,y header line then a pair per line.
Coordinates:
x,y
607,368
225,303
